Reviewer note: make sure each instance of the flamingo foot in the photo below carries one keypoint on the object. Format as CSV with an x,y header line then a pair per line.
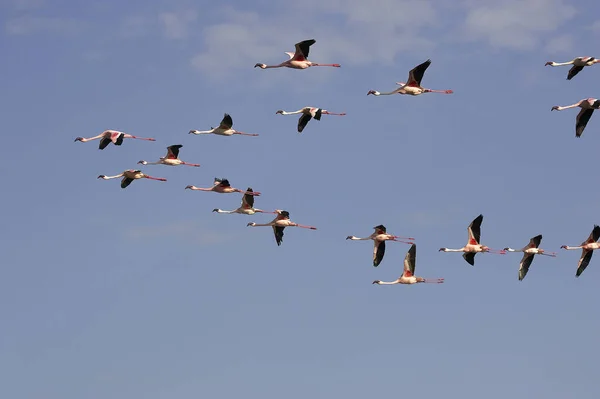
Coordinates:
x,y
434,281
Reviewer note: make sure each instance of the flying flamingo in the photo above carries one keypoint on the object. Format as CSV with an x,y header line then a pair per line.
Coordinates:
x,y
529,253
473,246
247,207
222,186
129,176
171,159
408,276
307,114
578,64
281,221
379,238
413,86
587,105
224,129
113,136
587,249
299,59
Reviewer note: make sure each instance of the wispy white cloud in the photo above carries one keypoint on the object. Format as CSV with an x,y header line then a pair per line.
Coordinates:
x,y
514,24
187,231
176,24
28,25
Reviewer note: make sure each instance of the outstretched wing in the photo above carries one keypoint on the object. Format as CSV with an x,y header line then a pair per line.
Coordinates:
x,y
226,122
302,50
594,235
574,71
534,242
474,230
104,142
303,121
524,265
126,181
409,261
470,257
222,182
173,151
416,74
583,117
317,114
248,200
278,231
584,261
378,252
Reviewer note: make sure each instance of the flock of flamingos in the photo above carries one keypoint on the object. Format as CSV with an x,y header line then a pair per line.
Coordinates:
x,y
299,60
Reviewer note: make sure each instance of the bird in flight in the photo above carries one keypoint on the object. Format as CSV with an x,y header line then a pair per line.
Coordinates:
x,y
281,221
171,159
578,64
225,128
529,252
129,176
308,113
222,186
413,85
408,275
587,250
299,59
379,237
111,136
587,105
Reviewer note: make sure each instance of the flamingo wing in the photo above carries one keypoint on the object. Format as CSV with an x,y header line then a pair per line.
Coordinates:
x,y
378,252
584,261
303,121
474,230
104,142
290,54
583,117
248,200
316,113
126,181
535,241
594,235
173,151
574,71
524,265
469,257
410,261
302,50
226,122
278,231
416,74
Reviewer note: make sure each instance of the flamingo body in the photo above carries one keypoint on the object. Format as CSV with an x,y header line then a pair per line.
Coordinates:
x,y
298,59
408,275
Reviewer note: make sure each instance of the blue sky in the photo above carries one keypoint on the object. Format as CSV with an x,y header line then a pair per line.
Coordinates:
x,y
143,292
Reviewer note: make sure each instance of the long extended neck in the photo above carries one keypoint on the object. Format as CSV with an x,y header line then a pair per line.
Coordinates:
x,y
452,250
569,247
388,282
150,163
259,224
201,131
359,238
222,211
112,177
561,63
291,113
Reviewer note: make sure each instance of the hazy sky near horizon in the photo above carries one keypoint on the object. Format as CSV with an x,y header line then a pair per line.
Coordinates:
x,y
145,293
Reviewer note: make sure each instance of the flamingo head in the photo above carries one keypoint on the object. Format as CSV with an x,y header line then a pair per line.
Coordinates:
x,y
102,177
262,66
143,162
349,238
216,210
563,247
79,139
548,63
251,224
442,249
279,112
506,249
190,186
371,92
376,282
555,108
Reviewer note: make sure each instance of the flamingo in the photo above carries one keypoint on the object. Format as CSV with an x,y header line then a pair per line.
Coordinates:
x,y
529,253
408,276
224,129
587,249
171,159
413,86
113,136
379,238
129,176
222,186
281,221
578,64
299,59
247,207
473,246
587,105
307,114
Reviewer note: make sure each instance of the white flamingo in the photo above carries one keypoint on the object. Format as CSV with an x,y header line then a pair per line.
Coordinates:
x,y
247,207
222,186
413,85
299,59
307,114
587,105
224,129
379,237
111,136
578,64
408,276
529,252
473,246
171,159
587,249
129,176
281,221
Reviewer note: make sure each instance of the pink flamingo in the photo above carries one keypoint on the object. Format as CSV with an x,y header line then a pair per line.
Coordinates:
x,y
281,221
299,59
587,105
129,176
529,253
222,186
307,114
379,238
247,207
413,86
113,136
578,64
408,276
473,246
171,159
224,129
587,250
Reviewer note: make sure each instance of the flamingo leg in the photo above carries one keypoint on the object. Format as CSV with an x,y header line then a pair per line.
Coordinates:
x,y
432,280
332,113
329,65
553,254
405,242
129,136
190,164
438,91
497,251
405,238
155,178
245,134
304,227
